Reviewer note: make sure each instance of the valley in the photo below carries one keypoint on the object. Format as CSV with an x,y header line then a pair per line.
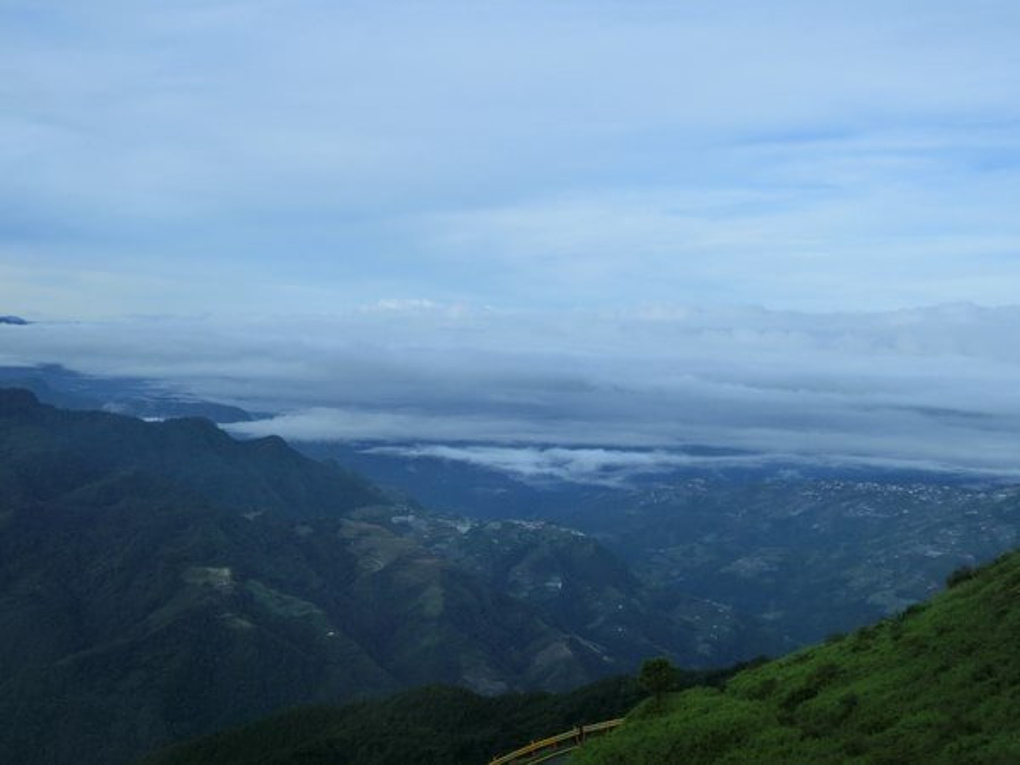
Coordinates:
x,y
797,556
186,581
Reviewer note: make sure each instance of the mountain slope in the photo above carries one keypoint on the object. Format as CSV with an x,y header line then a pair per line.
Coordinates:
x,y
427,725
161,580
59,386
435,725
803,552
938,683
807,558
583,588
46,451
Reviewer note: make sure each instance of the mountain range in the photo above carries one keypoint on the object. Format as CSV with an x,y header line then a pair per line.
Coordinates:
x,y
159,580
801,554
937,683
68,389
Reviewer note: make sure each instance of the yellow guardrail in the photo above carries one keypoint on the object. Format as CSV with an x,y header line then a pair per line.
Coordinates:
x,y
538,751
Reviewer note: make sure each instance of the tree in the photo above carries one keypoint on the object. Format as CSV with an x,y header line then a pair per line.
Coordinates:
x,y
657,676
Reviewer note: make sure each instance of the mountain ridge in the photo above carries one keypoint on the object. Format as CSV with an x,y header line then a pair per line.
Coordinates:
x,y
937,683
160,580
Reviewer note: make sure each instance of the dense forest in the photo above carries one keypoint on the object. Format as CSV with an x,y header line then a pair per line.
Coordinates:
x,y
940,682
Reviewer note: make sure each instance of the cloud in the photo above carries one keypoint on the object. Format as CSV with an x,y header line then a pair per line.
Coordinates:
x,y
933,388
495,218
607,467
618,467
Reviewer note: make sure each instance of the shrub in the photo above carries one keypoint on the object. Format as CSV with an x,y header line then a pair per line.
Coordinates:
x,y
764,689
960,575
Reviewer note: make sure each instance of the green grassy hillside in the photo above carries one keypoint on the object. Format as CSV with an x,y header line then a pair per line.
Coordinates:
x,y
940,683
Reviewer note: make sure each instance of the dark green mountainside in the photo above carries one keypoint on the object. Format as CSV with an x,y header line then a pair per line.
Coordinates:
x,y
138,397
940,683
161,580
435,725
576,582
46,452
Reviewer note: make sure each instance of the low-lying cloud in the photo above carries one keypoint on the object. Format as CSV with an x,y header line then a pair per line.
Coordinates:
x,y
935,388
609,467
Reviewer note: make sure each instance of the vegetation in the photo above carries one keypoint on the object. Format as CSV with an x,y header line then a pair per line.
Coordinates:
x,y
801,554
939,683
656,677
426,725
576,584
808,558
962,574
160,581
437,725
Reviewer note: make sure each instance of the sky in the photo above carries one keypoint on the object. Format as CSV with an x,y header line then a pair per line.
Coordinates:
x,y
534,222
211,157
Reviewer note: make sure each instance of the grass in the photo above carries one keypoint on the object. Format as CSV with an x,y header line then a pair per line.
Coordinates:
x,y
939,683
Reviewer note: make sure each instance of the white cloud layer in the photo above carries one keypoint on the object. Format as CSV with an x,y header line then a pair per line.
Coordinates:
x,y
608,467
931,388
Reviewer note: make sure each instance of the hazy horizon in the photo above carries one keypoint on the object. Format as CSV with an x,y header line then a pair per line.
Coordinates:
x,y
786,228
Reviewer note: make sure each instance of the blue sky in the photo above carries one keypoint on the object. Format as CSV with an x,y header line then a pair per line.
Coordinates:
x,y
228,157
786,226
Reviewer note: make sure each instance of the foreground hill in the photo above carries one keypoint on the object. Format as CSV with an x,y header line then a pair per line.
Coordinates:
x,y
427,725
939,683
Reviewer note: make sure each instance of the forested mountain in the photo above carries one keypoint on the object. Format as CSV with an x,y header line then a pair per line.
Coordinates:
x,y
161,580
66,388
576,582
939,682
434,725
802,553
805,557
158,580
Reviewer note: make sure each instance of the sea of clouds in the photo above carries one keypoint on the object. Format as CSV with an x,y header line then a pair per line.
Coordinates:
x,y
578,393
